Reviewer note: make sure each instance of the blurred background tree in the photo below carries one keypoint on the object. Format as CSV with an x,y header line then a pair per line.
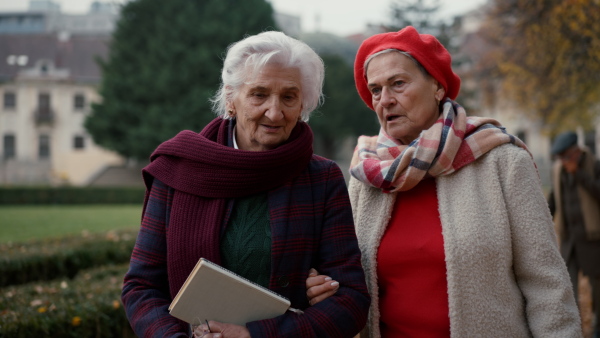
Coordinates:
x,y
547,53
426,17
164,64
417,13
343,115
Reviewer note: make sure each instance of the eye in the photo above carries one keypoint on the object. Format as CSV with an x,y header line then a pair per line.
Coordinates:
x,y
398,83
375,91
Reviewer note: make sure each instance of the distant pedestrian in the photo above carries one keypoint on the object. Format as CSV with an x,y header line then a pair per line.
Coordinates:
x,y
575,204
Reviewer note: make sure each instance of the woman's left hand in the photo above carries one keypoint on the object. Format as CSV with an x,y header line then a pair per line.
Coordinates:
x,y
221,330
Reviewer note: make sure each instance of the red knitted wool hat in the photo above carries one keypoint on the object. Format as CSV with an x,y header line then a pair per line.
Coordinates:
x,y
424,48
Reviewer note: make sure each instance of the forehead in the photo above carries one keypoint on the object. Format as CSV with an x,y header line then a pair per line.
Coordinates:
x,y
274,75
389,64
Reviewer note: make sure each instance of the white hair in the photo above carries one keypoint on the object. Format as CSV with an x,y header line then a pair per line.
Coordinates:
x,y
247,57
407,54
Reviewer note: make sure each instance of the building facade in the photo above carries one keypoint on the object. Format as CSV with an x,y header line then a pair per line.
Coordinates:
x,y
47,85
48,82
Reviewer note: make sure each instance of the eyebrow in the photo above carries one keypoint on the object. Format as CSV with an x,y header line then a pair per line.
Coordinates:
x,y
390,78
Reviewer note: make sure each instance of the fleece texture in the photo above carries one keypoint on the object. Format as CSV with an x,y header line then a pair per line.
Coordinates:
x,y
505,275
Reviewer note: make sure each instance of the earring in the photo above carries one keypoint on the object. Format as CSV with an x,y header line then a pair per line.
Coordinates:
x,y
230,113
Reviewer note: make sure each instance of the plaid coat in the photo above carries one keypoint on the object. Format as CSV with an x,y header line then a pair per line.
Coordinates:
x,y
311,225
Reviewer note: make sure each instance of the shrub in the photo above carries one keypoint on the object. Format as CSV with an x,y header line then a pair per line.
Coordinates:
x,y
64,257
86,306
71,195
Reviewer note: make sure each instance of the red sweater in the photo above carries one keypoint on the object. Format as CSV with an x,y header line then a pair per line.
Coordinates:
x,y
413,292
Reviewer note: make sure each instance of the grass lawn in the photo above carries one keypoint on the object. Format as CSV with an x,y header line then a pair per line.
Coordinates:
x,y
23,223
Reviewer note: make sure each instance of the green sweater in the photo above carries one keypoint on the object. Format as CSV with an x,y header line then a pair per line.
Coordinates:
x,y
246,243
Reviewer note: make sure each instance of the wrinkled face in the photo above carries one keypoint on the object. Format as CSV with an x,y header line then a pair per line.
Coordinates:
x,y
267,108
405,99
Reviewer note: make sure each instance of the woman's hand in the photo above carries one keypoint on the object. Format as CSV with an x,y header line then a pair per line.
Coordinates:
x,y
220,330
319,287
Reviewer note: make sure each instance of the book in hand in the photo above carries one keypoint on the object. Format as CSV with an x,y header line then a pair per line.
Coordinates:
x,y
212,292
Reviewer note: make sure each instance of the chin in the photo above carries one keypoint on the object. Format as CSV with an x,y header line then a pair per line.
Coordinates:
x,y
395,134
270,145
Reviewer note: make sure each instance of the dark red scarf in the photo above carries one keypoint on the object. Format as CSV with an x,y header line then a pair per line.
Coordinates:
x,y
205,172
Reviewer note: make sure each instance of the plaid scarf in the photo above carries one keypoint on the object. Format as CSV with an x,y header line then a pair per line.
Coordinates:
x,y
454,141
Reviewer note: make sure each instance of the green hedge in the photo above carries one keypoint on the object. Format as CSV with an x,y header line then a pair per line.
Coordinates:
x,y
71,195
64,257
87,306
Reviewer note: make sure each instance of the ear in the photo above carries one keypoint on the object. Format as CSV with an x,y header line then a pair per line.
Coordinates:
x,y
229,98
440,92
229,105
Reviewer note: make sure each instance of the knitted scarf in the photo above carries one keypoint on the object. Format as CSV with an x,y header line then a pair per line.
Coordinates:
x,y
454,141
205,173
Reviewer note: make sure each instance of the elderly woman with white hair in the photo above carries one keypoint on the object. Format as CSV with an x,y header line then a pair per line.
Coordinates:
x,y
248,193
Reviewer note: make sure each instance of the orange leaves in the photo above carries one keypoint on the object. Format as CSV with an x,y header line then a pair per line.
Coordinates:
x,y
549,57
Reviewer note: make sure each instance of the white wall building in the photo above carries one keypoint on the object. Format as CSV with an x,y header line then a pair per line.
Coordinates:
x,y
47,84
48,81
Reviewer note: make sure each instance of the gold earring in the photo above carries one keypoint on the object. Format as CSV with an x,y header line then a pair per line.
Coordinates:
x,y
230,113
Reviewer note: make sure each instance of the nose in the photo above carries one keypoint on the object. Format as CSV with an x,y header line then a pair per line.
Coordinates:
x,y
274,109
387,99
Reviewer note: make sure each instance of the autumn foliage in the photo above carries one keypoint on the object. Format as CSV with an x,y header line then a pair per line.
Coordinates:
x,y
547,53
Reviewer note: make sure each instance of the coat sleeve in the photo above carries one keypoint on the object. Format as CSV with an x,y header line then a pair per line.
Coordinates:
x,y
145,292
345,313
540,271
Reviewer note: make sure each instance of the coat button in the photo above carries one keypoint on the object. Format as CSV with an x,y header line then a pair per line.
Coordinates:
x,y
283,281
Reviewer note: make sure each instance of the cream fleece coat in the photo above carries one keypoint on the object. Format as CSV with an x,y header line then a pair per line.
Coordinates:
x,y
505,275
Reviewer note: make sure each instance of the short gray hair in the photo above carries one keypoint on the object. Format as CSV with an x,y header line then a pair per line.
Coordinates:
x,y
407,54
248,56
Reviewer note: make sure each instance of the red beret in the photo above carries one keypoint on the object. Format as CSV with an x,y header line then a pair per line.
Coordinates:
x,y
424,48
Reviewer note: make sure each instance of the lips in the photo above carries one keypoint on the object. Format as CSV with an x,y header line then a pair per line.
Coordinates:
x,y
391,117
271,128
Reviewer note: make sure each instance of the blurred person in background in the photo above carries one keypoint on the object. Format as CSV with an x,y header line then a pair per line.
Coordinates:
x,y
456,236
248,193
575,204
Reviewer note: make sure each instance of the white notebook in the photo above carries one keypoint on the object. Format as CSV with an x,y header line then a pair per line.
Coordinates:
x,y
212,292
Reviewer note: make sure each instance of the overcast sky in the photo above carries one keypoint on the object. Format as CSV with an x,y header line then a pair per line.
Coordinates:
x,y
341,17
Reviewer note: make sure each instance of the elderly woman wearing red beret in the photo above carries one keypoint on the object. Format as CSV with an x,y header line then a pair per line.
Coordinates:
x,y
456,236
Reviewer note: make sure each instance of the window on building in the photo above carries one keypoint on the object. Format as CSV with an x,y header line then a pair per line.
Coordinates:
x,y
10,100
44,101
44,112
78,142
79,102
44,147
10,146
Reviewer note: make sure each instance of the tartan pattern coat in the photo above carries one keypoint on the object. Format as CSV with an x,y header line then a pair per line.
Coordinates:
x,y
311,225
